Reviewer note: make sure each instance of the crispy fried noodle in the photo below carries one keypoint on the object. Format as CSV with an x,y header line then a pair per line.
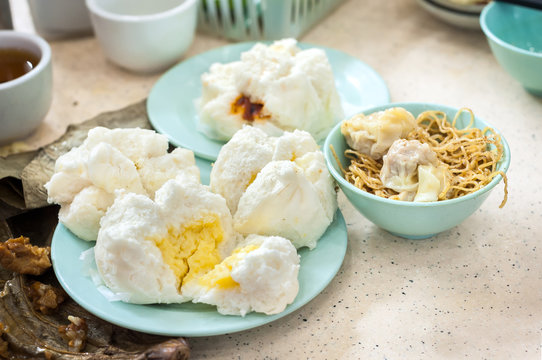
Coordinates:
x,y
471,161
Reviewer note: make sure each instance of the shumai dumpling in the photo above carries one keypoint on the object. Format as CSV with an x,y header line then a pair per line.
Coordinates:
x,y
413,170
373,134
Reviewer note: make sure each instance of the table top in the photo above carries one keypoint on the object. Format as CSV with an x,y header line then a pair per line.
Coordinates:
x,y
474,291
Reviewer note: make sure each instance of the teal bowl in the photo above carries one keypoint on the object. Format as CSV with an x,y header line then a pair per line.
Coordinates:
x,y
411,220
514,34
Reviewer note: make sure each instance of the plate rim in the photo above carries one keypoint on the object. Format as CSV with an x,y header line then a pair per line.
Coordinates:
x,y
221,330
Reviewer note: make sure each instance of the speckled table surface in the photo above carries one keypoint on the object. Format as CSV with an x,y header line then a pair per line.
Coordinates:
x,y
474,291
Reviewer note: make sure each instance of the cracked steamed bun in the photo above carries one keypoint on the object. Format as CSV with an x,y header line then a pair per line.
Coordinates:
x,y
260,275
136,160
275,87
238,163
291,195
148,249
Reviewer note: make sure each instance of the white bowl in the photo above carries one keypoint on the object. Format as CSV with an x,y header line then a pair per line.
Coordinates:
x,y
143,35
24,101
475,8
57,19
454,17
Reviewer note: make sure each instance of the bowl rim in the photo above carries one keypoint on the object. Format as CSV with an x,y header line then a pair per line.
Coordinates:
x,y
491,36
95,9
504,162
437,6
464,8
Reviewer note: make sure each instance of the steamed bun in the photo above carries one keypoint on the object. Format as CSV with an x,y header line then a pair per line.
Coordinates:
x,y
275,87
291,195
85,211
147,249
260,275
238,163
86,177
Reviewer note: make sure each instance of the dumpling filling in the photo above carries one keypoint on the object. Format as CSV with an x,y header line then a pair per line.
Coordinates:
x,y
192,249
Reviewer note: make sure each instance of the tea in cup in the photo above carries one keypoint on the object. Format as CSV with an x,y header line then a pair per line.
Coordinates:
x,y
25,83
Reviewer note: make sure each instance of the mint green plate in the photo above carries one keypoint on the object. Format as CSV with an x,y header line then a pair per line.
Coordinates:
x,y
172,111
318,267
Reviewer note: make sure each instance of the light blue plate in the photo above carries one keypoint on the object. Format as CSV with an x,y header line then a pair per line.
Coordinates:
x,y
172,112
318,267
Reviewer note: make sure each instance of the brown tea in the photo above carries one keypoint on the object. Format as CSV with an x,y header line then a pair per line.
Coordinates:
x,y
16,62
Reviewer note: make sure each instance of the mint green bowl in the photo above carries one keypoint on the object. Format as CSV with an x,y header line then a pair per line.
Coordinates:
x,y
411,220
514,34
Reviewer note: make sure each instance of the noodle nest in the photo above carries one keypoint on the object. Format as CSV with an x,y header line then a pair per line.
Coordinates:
x,y
471,162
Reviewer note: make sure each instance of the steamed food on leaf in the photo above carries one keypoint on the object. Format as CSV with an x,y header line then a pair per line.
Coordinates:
x,y
430,160
45,298
274,87
86,177
20,256
282,185
260,275
75,333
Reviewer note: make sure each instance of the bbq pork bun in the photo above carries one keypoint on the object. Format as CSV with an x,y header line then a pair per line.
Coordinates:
x,y
274,87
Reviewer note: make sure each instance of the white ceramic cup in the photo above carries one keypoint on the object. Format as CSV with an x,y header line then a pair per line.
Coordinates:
x,y
58,19
24,101
144,35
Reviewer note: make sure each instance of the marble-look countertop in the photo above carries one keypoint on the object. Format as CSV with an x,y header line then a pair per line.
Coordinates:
x,y
474,291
